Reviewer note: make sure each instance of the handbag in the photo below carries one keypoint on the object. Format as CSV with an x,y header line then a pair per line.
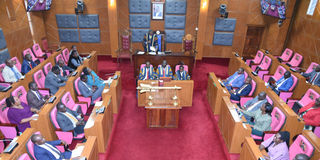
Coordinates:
x,y
274,8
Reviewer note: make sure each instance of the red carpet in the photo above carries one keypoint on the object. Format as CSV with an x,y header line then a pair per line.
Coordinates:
x,y
197,137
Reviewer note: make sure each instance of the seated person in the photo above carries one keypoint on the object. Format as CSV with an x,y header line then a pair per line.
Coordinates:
x,y
20,113
69,120
74,49
147,72
93,78
47,150
277,146
313,77
27,64
34,97
236,80
10,73
181,74
255,103
87,91
164,70
301,156
283,84
54,80
261,119
63,68
150,42
244,90
75,60
311,114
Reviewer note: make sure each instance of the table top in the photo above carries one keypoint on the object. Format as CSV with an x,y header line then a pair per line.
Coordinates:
x,y
173,54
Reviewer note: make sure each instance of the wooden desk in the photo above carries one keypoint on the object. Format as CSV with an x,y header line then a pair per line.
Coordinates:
x,y
231,127
21,148
90,150
115,91
100,125
234,63
92,62
172,59
315,141
250,150
185,94
215,92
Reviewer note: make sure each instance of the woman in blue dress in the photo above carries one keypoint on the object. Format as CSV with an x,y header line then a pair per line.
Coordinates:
x,y
93,78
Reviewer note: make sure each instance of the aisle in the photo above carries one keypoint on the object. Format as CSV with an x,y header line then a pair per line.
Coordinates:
x,y
195,139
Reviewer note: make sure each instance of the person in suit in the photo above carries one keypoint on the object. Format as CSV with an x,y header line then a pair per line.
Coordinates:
x,y
10,73
34,98
54,80
27,64
310,114
147,72
255,103
181,74
314,76
47,150
75,60
87,91
63,68
244,90
283,84
93,78
164,70
235,81
69,120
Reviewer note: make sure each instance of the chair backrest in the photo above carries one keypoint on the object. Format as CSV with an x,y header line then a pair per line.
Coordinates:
x,y
258,58
286,54
245,75
37,50
58,57
4,112
76,87
47,68
312,66
53,117
269,100
1,69
39,78
266,63
143,65
310,96
68,100
21,93
295,81
45,43
16,63
65,54
188,45
185,68
278,119
296,60
279,72
253,84
29,51
125,42
301,145
317,131
30,147
24,156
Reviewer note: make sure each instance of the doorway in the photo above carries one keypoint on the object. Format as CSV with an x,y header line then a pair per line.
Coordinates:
x,y
253,40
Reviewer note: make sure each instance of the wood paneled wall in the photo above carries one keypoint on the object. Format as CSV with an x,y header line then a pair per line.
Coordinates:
x,y
305,35
99,7
191,22
17,31
247,13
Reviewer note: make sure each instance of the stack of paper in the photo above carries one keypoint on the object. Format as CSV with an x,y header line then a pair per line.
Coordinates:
x,y
105,90
77,151
98,103
140,52
152,53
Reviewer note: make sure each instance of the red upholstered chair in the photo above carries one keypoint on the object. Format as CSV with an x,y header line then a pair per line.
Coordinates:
x,y
125,46
188,43
286,55
277,75
71,104
1,69
39,79
257,59
263,66
58,57
48,47
295,61
310,96
301,145
24,156
47,68
312,66
16,63
21,93
65,54
80,97
29,51
39,53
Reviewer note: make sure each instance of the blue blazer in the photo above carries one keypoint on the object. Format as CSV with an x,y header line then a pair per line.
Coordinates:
x,y
311,76
64,122
286,85
245,91
253,101
42,154
238,82
25,67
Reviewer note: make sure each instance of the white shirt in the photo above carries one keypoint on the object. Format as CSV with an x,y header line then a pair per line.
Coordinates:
x,y
8,75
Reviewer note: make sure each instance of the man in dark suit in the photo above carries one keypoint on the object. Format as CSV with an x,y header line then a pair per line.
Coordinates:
x,y
63,68
54,80
69,120
34,98
314,76
27,64
47,150
94,92
244,90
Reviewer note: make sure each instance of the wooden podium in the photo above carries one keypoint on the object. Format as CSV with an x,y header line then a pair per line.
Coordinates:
x,y
163,101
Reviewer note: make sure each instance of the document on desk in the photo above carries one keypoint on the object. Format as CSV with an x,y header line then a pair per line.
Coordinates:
x,y
235,115
99,103
152,53
140,52
105,90
90,121
77,151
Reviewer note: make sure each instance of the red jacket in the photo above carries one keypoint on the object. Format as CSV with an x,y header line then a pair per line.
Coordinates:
x,y
312,117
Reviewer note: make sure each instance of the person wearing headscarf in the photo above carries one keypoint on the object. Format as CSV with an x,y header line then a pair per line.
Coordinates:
x,y
277,146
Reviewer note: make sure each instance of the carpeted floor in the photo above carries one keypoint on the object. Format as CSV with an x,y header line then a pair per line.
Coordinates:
x,y
197,137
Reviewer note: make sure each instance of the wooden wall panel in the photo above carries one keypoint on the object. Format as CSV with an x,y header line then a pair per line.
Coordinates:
x,y
191,22
17,31
99,7
305,35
